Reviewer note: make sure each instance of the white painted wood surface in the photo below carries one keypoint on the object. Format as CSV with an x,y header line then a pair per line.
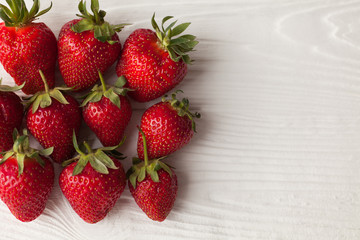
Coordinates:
x,y
277,154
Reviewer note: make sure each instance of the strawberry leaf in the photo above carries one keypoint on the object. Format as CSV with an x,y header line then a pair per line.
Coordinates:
x,y
47,151
20,161
113,97
5,88
103,31
79,167
45,101
75,143
7,156
82,26
132,179
55,93
18,15
142,174
154,176
120,82
43,11
179,29
92,97
105,159
98,165
136,161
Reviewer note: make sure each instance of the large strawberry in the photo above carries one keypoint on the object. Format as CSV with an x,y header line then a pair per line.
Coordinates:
x,y
11,115
26,47
168,126
26,179
107,111
155,62
52,118
153,184
93,182
86,46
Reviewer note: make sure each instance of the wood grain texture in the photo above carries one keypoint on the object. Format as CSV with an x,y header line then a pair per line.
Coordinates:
x,y
277,154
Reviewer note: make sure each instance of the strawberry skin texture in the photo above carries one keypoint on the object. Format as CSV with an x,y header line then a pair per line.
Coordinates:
x,y
81,56
148,68
165,131
53,127
24,51
11,115
156,199
92,194
26,195
108,121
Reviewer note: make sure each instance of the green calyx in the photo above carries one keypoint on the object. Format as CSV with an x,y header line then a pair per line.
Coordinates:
x,y
6,88
182,107
103,31
43,99
179,47
110,92
18,15
22,150
99,158
138,171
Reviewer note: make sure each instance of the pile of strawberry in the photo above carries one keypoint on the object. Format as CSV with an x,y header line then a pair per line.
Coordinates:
x,y
150,64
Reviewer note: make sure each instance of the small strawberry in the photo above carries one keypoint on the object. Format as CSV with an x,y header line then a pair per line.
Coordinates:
x,y
168,126
11,115
86,46
107,111
93,183
153,185
52,118
26,46
154,62
26,179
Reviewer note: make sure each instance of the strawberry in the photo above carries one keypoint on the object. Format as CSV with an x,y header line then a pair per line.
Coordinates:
x,y
153,62
26,179
52,118
11,115
153,185
107,111
26,46
93,183
86,46
168,126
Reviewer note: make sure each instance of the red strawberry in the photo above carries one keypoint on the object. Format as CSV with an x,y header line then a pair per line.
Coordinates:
x,y
52,118
168,126
26,179
93,183
11,115
107,111
152,62
86,46
26,47
153,185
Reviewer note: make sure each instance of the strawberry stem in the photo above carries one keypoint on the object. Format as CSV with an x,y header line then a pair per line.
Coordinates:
x,y
44,81
88,148
102,81
146,158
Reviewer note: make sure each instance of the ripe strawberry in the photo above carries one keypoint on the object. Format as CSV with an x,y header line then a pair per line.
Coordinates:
x,y
153,185
11,115
107,111
26,47
26,179
52,118
93,183
86,46
168,126
152,62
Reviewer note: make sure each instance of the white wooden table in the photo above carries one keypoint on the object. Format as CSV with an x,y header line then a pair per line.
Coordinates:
x,y
277,153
